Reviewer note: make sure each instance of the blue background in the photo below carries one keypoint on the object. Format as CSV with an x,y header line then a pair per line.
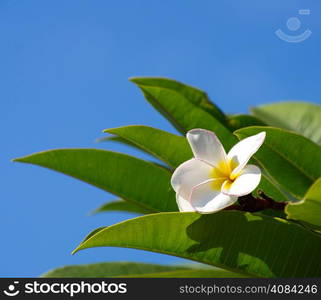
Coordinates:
x,y
64,67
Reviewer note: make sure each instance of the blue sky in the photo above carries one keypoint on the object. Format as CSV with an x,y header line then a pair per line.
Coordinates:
x,y
64,69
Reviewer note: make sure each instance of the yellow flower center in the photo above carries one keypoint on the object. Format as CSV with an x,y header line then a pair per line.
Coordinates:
x,y
223,173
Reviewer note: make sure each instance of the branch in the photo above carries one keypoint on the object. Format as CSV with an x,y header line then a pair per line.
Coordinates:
x,y
251,204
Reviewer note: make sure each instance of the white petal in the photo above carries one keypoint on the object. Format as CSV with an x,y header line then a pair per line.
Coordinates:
x,y
207,200
206,146
189,174
241,153
183,204
245,183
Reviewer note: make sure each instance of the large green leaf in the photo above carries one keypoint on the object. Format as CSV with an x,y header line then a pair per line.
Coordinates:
x,y
137,270
239,121
168,147
132,179
121,205
183,113
246,243
309,209
193,273
110,269
302,117
291,159
194,95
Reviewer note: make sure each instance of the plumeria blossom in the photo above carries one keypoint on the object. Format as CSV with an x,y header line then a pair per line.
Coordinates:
x,y
213,180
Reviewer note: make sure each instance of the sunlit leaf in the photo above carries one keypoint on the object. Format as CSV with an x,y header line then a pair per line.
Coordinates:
x,y
192,94
132,179
110,269
302,117
309,209
183,113
245,243
193,273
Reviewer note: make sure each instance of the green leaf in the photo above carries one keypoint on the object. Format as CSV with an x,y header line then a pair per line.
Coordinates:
x,y
193,273
183,113
309,209
132,179
238,241
121,205
302,117
270,189
194,95
116,139
239,121
289,158
137,270
170,148
109,269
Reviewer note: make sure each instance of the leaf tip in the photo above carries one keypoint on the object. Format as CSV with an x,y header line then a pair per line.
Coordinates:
x,y
18,159
133,79
140,81
73,252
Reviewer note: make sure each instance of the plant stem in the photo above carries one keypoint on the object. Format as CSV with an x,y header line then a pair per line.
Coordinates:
x,y
251,204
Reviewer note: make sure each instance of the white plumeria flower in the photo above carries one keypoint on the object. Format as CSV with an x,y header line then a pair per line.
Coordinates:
x,y
213,180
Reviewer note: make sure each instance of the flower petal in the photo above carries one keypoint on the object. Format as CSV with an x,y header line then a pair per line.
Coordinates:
x,y
206,146
245,183
189,174
183,204
241,153
205,199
